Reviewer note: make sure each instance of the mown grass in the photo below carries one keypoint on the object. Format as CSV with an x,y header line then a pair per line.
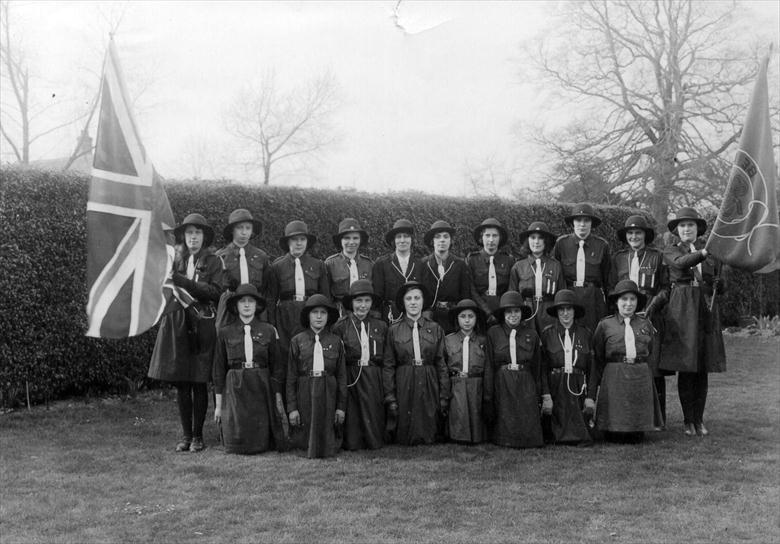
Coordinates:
x,y
106,472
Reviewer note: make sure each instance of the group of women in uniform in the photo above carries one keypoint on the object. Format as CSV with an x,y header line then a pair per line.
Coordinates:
x,y
347,353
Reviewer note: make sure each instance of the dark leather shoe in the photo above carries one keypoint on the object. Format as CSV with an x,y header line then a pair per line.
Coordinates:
x,y
701,430
690,429
183,445
197,445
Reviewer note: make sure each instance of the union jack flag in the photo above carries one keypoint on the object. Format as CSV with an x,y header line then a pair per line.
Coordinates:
x,y
129,221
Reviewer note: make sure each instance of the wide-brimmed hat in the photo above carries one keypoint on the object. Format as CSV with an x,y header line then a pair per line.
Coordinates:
x,y
347,226
408,286
360,288
295,228
511,299
492,223
565,297
539,227
402,225
467,304
241,215
196,220
316,301
583,210
627,286
691,215
245,290
636,222
438,226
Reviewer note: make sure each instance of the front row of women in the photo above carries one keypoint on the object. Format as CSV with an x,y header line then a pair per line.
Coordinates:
x,y
356,383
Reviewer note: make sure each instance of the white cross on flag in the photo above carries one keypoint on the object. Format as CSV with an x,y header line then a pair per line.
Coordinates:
x,y
129,221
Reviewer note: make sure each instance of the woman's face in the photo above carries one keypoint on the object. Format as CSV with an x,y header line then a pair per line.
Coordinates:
x,y
536,244
193,237
318,318
466,320
635,238
513,316
441,242
687,230
490,240
403,242
566,315
413,302
627,304
350,243
297,244
242,232
361,306
582,226
246,307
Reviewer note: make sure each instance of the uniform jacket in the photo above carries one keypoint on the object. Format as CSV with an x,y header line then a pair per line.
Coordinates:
x,y
338,273
523,276
597,259
348,329
281,284
553,355
479,265
258,265
653,273
454,286
301,362
388,278
229,353
528,351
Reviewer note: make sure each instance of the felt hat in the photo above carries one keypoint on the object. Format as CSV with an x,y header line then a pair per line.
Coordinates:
x,y
408,286
438,226
583,210
241,215
360,288
295,228
347,226
316,301
565,297
691,215
539,227
627,286
402,225
636,222
494,224
245,290
511,299
467,304
196,220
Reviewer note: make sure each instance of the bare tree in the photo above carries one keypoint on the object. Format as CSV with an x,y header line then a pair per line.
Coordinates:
x,y
285,126
666,85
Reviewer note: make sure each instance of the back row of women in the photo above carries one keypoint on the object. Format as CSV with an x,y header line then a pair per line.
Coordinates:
x,y
351,353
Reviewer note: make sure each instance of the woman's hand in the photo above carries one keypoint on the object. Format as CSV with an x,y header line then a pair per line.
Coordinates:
x,y
339,419
218,408
547,405
295,418
590,408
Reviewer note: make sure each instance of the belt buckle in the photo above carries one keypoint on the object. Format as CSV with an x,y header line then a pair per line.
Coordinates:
x,y
490,292
694,283
299,298
463,374
363,363
629,360
317,373
248,364
418,362
579,284
513,367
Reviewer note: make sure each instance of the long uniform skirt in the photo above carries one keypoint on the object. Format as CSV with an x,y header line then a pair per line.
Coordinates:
x,y
568,423
465,419
627,401
250,423
177,357
364,424
592,299
518,422
417,390
317,407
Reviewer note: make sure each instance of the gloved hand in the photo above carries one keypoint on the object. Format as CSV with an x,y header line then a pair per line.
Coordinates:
x,y
218,414
488,412
491,320
444,407
339,419
180,280
547,405
295,418
590,408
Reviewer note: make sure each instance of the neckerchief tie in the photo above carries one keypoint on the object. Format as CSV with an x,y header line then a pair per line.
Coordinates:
x,y
242,266
300,283
568,353
513,347
466,354
365,351
248,348
492,282
318,365
633,269
630,340
416,343
538,279
697,268
353,271
581,263
191,267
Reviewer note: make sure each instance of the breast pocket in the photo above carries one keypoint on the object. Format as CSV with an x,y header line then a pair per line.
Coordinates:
x,y
235,349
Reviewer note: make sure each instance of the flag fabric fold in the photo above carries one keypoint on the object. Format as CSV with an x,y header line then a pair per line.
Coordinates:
x,y
129,221
746,234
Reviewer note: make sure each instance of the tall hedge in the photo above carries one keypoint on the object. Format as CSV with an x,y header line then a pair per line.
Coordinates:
x,y
43,256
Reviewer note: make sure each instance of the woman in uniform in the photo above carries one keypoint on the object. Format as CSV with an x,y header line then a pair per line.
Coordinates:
x,y
248,378
391,271
364,343
693,341
444,275
515,356
489,267
316,381
538,276
416,381
184,348
627,402
466,355
567,355
347,266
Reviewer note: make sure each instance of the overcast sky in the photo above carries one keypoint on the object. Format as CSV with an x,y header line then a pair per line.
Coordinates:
x,y
419,101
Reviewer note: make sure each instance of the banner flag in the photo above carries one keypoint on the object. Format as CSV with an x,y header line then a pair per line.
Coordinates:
x,y
129,221
746,234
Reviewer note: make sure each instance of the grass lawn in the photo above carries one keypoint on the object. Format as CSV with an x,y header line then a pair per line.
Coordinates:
x,y
106,472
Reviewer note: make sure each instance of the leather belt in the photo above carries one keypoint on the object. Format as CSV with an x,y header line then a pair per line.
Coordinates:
x,y
293,296
514,368
560,370
587,284
360,363
627,361
459,374
314,373
244,364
